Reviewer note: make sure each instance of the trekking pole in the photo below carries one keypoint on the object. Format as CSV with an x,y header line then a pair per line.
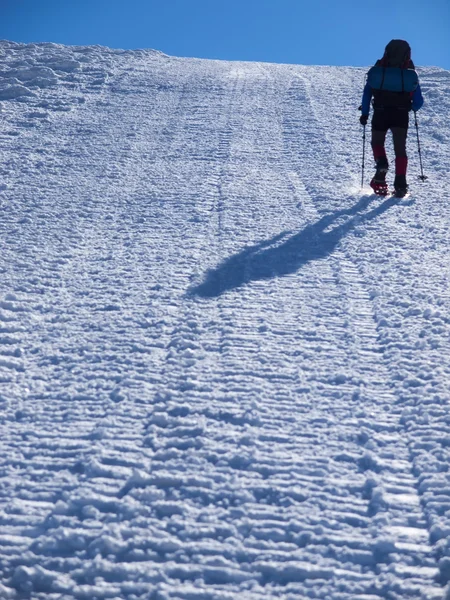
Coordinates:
x,y
363,156
421,176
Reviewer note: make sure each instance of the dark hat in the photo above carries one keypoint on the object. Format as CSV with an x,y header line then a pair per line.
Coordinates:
x,y
397,53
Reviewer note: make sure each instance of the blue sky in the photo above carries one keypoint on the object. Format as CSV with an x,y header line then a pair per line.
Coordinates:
x,y
333,32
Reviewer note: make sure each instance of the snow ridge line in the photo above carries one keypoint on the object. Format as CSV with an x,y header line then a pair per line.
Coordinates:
x,y
186,328
391,481
269,391
86,458
381,485
195,345
405,304
279,396
258,461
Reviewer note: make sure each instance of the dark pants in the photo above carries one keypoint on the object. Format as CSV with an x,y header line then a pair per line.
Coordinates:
x,y
397,120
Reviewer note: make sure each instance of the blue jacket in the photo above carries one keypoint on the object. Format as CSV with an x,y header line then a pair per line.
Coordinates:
x,y
416,97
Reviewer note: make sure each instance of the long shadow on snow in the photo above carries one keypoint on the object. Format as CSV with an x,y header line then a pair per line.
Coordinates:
x,y
271,258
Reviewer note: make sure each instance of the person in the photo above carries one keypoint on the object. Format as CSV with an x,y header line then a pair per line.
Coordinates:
x,y
394,86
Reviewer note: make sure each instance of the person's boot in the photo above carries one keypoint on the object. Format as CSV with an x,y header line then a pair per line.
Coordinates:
x,y
378,183
400,186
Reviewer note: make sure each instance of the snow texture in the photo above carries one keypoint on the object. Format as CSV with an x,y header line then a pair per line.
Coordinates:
x,y
224,369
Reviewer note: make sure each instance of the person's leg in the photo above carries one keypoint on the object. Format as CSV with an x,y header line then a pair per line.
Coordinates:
x,y
379,152
379,130
399,128
399,135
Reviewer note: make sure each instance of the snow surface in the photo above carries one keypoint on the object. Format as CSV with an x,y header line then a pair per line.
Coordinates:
x,y
224,369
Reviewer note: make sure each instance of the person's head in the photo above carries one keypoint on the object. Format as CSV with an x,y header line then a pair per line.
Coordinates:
x,y
397,54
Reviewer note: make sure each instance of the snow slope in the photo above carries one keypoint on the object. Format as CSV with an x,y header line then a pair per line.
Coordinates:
x,y
224,369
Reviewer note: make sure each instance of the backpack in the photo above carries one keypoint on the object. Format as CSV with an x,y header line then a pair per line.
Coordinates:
x,y
393,79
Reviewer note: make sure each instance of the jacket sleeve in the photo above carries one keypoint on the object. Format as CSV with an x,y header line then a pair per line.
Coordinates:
x,y
417,99
367,95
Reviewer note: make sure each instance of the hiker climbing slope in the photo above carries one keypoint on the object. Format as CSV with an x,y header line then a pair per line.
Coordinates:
x,y
394,86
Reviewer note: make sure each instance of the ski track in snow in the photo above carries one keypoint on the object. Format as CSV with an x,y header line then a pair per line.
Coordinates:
x,y
224,370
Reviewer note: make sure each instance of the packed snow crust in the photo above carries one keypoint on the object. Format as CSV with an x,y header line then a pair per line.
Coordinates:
x,y
224,368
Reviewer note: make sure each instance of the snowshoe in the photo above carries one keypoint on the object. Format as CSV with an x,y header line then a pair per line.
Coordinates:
x,y
378,183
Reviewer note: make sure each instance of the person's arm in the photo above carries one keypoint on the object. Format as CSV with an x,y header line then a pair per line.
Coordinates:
x,y
367,96
417,99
